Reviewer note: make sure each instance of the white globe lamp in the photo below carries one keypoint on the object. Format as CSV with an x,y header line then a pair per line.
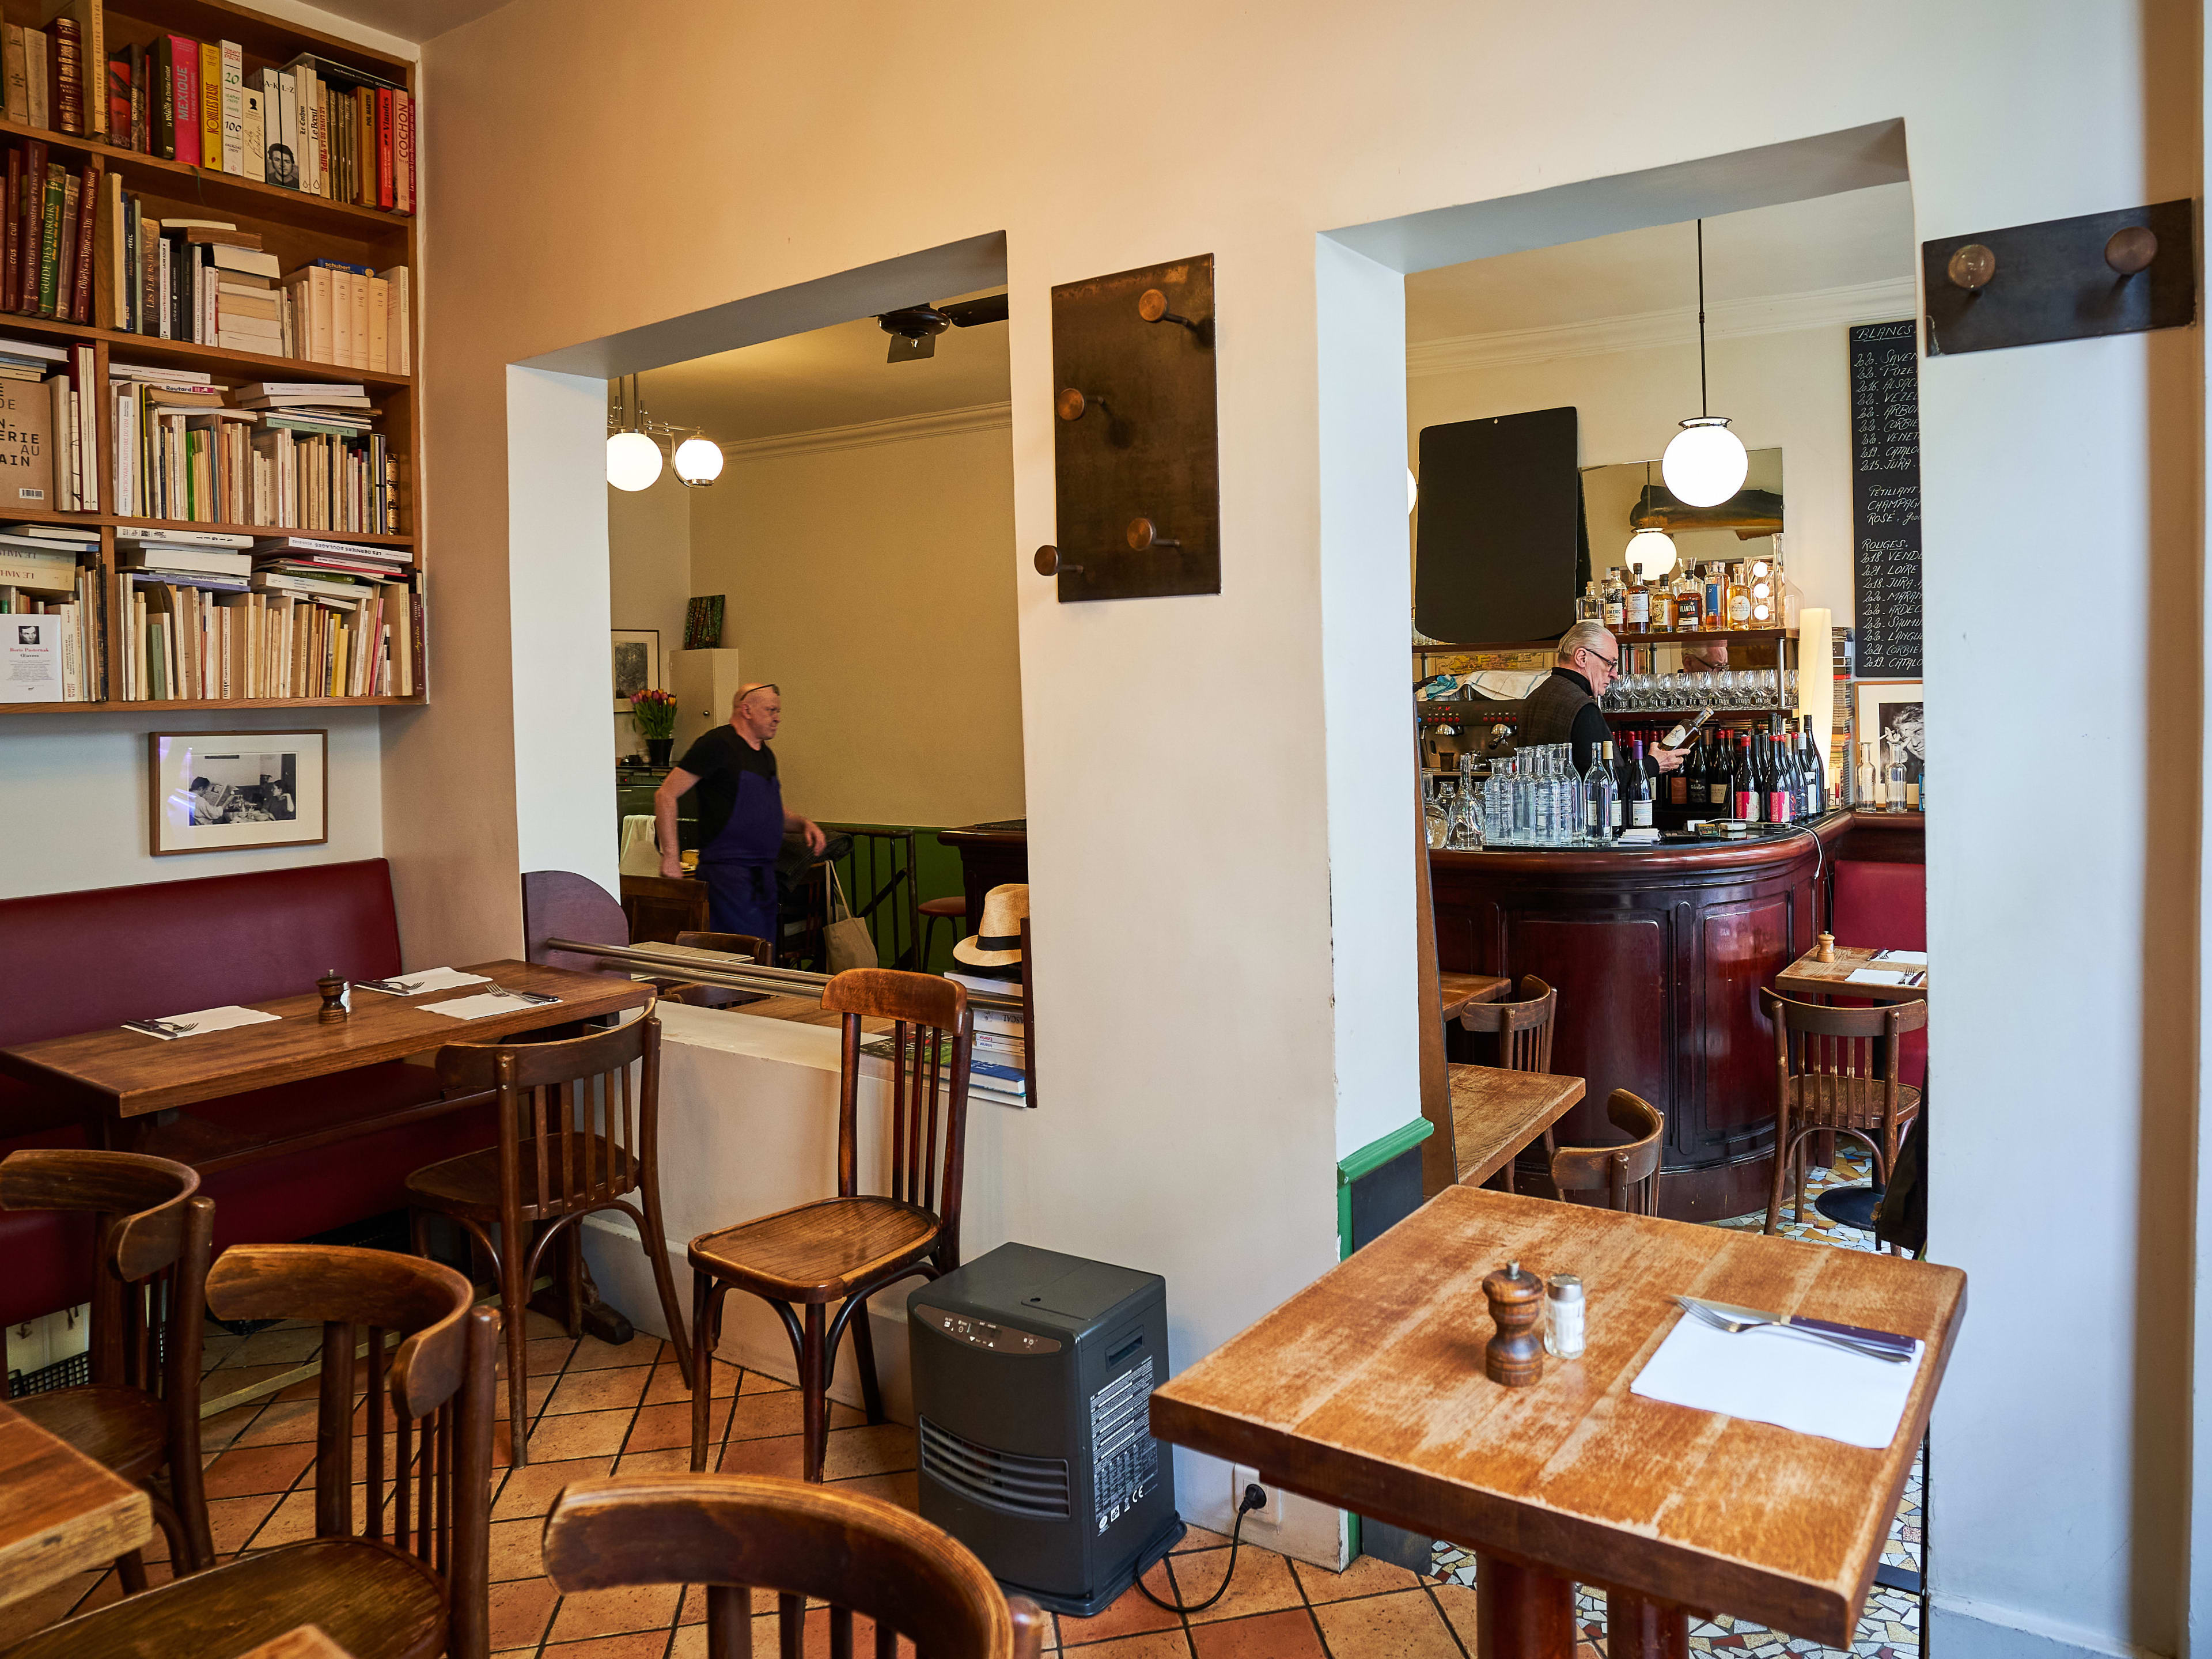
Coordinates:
x,y
1413,491
1651,551
633,461
698,461
1705,464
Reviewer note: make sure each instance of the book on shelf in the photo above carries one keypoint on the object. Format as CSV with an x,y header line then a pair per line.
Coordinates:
x,y
26,445
61,657
197,640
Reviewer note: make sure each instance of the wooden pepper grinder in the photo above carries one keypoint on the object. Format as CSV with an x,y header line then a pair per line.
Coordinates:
x,y
334,988
1826,952
1514,1354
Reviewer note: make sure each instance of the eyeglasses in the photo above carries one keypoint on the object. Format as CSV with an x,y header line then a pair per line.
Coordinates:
x,y
1612,664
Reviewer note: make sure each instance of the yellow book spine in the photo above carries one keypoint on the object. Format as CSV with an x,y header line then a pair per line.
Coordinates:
x,y
210,106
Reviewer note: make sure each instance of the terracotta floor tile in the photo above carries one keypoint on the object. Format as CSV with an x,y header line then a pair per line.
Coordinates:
x,y
667,1386
650,1644
258,1469
1130,1615
232,1521
518,1611
815,1644
593,1355
761,1382
277,1346
529,1490
778,1457
1197,1538
620,1388
883,1449
669,1460
228,1379
1263,1583
1458,1602
1366,1576
538,1325
660,1426
897,1489
534,1392
283,1423
223,1430
1159,1644
617,1612
757,1416
514,1549
580,1434
547,1355
1289,1634
1403,1626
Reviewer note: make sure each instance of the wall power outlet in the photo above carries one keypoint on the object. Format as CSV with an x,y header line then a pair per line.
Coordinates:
x,y
1269,1514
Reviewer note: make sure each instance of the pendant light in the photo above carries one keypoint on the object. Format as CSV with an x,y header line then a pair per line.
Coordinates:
x,y
633,457
1705,464
698,461
1650,550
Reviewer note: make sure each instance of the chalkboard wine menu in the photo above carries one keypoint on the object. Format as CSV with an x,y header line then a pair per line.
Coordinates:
x,y
1886,499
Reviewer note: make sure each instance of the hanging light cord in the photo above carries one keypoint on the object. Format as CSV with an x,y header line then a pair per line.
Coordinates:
x,y
1704,403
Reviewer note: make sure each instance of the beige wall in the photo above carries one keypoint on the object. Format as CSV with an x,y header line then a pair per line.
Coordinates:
x,y
649,571
869,581
1202,1002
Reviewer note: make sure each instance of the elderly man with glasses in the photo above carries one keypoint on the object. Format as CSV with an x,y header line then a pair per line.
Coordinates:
x,y
741,814
1565,707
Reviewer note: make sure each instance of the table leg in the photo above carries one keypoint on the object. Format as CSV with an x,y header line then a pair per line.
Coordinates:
x,y
1520,1612
1636,1627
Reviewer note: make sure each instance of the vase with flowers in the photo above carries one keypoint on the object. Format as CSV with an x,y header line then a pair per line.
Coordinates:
x,y
653,713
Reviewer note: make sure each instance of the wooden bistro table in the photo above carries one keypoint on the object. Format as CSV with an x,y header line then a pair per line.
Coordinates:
x,y
60,1512
1459,992
1366,1390
1496,1113
135,1086
1810,980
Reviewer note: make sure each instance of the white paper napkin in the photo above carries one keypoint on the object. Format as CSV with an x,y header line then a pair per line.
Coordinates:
x,y
1876,977
423,979
488,1002
1769,1375
174,1026
1917,958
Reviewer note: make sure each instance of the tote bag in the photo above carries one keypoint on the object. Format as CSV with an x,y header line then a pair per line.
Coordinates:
x,y
845,938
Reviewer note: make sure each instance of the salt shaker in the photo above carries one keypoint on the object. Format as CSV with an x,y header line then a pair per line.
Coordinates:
x,y
1514,1355
1563,1325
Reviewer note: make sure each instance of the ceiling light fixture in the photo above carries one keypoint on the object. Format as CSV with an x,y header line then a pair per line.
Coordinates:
x,y
634,446
698,461
1650,550
1705,463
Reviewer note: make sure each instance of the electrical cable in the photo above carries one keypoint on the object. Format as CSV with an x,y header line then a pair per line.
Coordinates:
x,y
1255,1498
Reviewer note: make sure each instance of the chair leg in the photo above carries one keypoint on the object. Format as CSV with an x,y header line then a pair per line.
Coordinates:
x,y
192,1546
131,1570
512,1262
1804,1154
864,1351
655,1239
814,1386
706,1315
1783,1146
572,1277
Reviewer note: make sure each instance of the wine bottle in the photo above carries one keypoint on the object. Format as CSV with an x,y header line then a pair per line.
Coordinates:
x,y
1743,787
1690,782
1601,796
1639,789
1681,732
1816,774
1718,771
1781,782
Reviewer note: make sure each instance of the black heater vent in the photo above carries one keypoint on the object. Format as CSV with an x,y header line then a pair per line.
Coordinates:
x,y
1001,1480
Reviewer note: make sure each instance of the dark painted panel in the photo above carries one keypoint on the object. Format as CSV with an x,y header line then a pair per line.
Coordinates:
x,y
1385,1196
1741,944
1612,969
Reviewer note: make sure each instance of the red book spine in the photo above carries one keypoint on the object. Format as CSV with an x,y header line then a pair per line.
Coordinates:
x,y
34,224
69,73
11,239
384,191
88,216
187,55
403,154
118,103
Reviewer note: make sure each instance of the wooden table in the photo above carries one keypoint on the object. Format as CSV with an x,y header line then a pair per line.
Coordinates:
x,y
134,1081
1810,980
1459,991
1495,1113
60,1512
1366,1390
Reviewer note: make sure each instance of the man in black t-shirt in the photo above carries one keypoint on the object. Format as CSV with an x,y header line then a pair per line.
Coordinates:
x,y
741,814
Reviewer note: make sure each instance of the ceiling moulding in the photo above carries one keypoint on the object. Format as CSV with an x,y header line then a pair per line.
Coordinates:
x,y
1783,313
866,434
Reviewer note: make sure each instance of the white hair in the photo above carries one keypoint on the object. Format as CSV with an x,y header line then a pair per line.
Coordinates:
x,y
1583,635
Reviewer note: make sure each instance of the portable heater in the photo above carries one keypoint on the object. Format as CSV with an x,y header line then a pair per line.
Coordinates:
x,y
1032,1378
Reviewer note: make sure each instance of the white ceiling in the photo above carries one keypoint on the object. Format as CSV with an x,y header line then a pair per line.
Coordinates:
x,y
828,377
410,19
1843,241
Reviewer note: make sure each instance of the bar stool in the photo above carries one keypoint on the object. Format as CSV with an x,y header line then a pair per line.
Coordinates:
x,y
1523,1031
575,1138
844,1249
1627,1176
141,1412
953,909
1839,1070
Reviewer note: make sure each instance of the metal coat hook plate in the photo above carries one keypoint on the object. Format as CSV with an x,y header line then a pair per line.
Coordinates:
x,y
2064,279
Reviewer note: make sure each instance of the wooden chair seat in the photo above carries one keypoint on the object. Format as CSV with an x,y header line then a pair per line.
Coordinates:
x,y
125,1429
818,1252
1824,1101
469,1184
374,1602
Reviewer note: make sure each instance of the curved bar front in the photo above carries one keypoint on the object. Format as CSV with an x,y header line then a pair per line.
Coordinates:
x,y
1658,954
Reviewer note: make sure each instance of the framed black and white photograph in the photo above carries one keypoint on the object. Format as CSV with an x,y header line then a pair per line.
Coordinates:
x,y
223,790
1888,712
637,663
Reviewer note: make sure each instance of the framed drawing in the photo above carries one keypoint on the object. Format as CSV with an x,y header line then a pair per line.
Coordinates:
x,y
1888,711
213,791
637,663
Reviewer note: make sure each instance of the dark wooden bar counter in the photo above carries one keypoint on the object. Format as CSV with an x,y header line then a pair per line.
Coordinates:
x,y
1658,954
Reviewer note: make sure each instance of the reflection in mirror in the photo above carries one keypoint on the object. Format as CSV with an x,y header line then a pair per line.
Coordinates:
x,y
1618,501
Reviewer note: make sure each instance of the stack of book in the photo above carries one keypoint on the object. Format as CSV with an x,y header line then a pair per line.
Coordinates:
x,y
218,615
998,1066
43,573
292,454
48,225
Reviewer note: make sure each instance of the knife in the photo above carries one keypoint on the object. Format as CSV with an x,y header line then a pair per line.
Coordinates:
x,y
1902,1346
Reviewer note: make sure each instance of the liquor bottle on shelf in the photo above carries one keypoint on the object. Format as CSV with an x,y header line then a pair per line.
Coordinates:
x,y
1739,597
1689,602
1588,606
1640,802
1600,797
1743,786
1716,608
1613,601
1662,604
1635,604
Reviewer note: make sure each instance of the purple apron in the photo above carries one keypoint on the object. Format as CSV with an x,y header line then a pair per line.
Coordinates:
x,y
739,867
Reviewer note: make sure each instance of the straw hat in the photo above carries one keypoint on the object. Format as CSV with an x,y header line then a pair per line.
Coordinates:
x,y
997,942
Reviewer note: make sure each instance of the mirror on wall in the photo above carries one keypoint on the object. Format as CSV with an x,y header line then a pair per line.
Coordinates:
x,y
1621,499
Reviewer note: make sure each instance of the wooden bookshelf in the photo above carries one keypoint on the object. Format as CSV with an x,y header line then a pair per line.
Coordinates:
x,y
296,227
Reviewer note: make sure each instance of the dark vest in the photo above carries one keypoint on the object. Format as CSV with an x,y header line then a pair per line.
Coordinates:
x,y
1547,713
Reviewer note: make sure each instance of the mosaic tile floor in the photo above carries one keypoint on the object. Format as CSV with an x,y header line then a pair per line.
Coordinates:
x,y
1889,1628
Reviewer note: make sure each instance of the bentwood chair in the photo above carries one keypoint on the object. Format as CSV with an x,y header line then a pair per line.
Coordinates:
x,y
757,951
1523,1031
844,1249
141,1412
400,1562
893,1583
1627,1175
579,1132
1839,1070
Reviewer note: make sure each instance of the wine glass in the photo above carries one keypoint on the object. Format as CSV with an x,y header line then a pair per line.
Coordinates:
x,y
1724,688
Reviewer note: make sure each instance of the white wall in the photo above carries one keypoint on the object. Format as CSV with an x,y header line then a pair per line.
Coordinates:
x,y
1790,391
73,792
649,572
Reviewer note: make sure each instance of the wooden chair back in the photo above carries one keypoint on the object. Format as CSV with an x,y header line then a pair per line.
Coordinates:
x,y
932,1036
426,1483
562,904
1839,1066
1627,1176
576,1124
152,1234
1523,1028
735,1533
737,945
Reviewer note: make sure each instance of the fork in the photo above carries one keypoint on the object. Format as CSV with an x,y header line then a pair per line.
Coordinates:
x,y
1734,1327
